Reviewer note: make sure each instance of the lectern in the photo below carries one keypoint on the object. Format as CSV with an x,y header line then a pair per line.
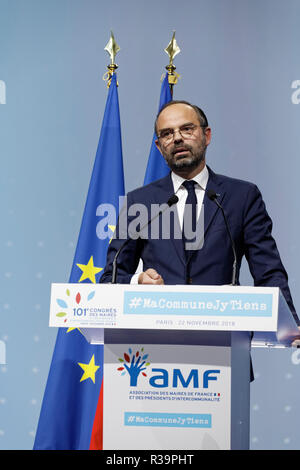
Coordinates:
x,y
176,358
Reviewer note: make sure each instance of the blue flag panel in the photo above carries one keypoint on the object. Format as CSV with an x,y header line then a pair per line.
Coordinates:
x,y
157,167
76,372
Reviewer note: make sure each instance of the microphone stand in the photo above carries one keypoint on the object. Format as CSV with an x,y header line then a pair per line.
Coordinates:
x,y
172,200
213,197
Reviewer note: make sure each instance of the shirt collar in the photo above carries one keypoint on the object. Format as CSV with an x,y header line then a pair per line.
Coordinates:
x,y
201,179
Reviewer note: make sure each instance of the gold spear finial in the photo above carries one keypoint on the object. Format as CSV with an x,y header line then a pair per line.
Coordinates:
x,y
112,48
172,50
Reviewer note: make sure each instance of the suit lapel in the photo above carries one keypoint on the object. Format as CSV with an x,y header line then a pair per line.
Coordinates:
x,y
164,191
210,207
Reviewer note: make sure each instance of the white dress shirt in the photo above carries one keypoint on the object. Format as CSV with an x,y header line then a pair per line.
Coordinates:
x,y
182,193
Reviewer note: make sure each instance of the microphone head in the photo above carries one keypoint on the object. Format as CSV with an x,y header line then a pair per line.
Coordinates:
x,y
211,194
173,200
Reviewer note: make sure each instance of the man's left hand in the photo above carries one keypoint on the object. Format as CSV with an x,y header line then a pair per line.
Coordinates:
x,y
296,342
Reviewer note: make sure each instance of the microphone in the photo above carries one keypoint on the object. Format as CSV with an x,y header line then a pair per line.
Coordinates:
x,y
213,197
171,201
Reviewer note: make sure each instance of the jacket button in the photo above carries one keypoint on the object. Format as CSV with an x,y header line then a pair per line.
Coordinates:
x,y
189,280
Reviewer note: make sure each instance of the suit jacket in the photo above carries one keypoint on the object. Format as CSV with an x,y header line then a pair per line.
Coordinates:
x,y
250,226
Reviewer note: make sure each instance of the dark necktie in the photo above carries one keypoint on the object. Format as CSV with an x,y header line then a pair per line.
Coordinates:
x,y
189,216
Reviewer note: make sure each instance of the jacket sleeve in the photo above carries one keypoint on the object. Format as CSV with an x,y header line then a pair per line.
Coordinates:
x,y
260,248
129,256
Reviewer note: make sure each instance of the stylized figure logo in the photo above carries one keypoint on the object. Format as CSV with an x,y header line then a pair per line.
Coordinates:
x,y
134,364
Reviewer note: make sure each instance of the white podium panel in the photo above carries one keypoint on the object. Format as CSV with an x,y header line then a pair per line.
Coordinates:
x,y
176,358
164,307
92,308
187,391
175,398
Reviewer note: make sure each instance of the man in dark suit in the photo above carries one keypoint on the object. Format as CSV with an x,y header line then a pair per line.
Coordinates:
x,y
183,136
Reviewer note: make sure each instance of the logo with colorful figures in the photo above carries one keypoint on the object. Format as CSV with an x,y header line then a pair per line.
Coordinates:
x,y
134,363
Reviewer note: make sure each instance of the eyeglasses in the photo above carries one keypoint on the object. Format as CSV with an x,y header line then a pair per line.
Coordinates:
x,y
185,131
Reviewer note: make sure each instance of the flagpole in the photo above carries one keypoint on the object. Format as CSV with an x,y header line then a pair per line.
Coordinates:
x,y
156,166
172,50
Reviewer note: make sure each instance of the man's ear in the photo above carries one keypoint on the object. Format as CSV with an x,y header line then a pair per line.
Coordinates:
x,y
207,132
157,145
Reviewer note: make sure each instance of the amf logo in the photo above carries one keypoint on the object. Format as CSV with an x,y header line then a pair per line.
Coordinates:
x,y
175,378
2,92
136,363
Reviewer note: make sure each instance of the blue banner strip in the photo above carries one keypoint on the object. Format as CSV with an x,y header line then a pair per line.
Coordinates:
x,y
177,420
200,304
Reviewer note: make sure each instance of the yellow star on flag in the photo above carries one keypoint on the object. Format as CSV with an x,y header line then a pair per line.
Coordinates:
x,y
70,329
73,329
89,370
89,271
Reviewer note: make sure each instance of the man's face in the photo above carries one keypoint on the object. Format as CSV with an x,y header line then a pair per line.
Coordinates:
x,y
182,154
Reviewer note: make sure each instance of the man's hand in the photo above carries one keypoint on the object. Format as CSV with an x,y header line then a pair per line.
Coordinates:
x,y
296,342
150,276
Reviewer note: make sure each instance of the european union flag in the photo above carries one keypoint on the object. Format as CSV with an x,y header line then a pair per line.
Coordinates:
x,y
71,413
157,167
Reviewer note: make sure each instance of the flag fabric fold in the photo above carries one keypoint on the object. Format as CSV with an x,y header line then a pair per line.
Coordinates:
x,y
157,167
71,412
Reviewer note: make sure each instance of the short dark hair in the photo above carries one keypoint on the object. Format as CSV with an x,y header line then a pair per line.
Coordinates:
x,y
200,113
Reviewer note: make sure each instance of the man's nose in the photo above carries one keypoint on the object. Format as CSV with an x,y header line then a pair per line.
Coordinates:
x,y
177,137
